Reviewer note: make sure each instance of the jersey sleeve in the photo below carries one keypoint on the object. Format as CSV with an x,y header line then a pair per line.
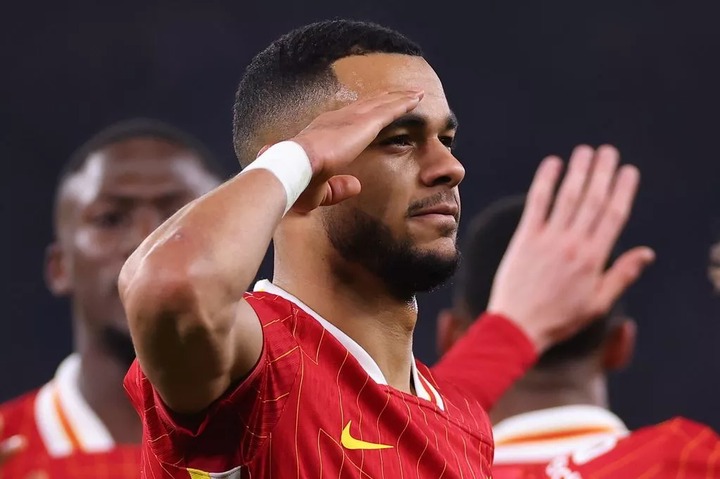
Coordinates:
x,y
229,432
485,362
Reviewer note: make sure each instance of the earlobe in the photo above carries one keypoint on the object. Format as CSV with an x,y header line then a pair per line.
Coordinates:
x,y
620,346
57,277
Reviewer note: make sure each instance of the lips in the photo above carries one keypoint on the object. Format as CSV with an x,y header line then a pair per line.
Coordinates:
x,y
447,209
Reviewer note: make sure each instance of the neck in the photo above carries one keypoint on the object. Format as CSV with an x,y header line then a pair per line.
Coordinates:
x,y
101,385
553,387
357,304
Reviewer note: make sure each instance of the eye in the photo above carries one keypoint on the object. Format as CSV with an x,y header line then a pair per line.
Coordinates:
x,y
448,141
109,219
398,140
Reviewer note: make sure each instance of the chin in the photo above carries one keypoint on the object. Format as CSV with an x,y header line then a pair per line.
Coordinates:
x,y
444,249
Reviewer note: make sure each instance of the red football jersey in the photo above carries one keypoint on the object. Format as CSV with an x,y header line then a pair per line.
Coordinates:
x,y
64,437
315,405
675,449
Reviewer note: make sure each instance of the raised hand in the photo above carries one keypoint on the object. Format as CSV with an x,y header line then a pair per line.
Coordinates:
x,y
335,138
553,278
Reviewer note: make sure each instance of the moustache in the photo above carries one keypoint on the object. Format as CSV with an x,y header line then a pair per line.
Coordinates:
x,y
442,197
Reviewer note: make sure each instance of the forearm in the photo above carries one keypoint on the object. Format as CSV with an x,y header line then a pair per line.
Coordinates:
x,y
182,289
211,249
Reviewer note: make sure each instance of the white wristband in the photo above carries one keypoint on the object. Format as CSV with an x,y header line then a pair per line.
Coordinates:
x,y
290,164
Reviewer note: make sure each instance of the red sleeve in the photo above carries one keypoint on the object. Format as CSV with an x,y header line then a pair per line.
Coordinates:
x,y
229,432
485,362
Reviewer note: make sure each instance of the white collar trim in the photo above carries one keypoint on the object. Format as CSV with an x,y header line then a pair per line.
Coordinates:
x,y
357,351
62,414
553,421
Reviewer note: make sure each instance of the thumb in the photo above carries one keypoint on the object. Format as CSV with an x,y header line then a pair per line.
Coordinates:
x,y
623,273
340,188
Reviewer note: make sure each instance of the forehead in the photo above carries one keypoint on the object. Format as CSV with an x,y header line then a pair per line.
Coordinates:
x,y
139,167
367,75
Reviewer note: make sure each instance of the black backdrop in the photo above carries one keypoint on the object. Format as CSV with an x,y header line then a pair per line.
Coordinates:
x,y
525,80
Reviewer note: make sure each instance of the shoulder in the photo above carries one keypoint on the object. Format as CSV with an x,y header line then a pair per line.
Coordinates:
x,y
268,306
17,413
676,430
285,325
678,444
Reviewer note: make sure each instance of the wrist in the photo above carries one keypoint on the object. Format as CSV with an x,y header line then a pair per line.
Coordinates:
x,y
533,330
290,164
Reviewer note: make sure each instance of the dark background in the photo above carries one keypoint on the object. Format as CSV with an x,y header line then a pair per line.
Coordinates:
x,y
525,80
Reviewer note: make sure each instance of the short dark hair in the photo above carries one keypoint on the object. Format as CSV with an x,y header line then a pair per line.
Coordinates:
x,y
139,128
282,80
483,248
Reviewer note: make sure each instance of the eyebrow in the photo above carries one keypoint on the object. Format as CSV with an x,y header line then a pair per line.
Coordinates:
x,y
413,120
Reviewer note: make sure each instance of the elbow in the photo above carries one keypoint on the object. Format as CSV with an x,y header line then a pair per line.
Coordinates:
x,y
158,283
154,291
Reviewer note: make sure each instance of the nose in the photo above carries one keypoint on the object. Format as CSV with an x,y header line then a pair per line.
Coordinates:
x,y
440,167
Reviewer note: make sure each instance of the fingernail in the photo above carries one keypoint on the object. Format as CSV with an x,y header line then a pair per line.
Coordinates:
x,y
12,444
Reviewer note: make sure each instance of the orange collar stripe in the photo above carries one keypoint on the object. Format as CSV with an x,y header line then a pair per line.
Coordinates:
x,y
65,423
554,435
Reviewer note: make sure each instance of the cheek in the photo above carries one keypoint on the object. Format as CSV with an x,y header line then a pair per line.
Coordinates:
x,y
91,244
386,191
96,257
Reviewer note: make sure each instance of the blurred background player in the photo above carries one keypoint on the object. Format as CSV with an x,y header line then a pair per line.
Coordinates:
x,y
555,421
115,189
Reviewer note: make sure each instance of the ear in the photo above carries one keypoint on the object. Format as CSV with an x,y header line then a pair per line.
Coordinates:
x,y
57,274
620,346
450,328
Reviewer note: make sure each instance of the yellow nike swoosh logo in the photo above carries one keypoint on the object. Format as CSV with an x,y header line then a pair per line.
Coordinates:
x,y
350,442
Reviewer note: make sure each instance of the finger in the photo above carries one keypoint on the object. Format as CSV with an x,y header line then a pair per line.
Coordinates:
x,y
10,447
614,216
540,193
572,187
622,274
598,191
37,475
383,114
341,188
373,102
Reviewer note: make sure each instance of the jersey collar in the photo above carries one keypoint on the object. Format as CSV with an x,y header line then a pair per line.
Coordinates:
x,y
66,421
423,388
539,436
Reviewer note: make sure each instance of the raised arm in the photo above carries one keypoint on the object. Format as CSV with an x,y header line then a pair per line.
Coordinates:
x,y
183,287
552,280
